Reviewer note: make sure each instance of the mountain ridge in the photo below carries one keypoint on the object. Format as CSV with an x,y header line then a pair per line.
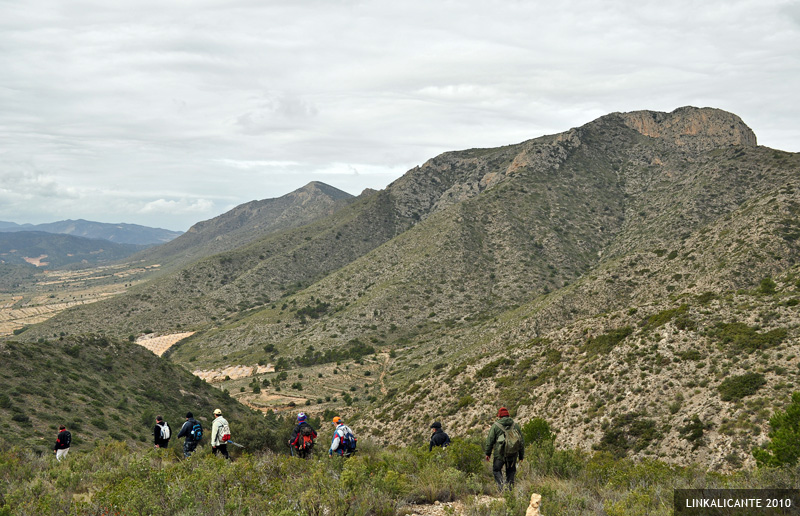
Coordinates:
x,y
121,233
543,249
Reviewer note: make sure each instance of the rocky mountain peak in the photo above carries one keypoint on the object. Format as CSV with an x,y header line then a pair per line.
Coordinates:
x,y
696,128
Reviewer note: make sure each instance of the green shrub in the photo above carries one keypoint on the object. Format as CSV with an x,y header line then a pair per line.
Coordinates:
x,y
747,338
693,431
664,316
536,431
767,286
99,423
604,343
631,431
738,387
466,455
784,445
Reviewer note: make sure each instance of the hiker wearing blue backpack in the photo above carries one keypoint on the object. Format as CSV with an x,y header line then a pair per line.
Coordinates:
x,y
506,442
344,442
192,430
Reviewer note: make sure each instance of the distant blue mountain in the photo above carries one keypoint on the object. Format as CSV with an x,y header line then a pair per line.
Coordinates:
x,y
117,233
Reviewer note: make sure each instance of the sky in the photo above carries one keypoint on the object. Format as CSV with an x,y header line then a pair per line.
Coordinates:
x,y
165,113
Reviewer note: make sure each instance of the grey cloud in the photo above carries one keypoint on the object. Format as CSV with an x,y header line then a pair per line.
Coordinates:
x,y
148,97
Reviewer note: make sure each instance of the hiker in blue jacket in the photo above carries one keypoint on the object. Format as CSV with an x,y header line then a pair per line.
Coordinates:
x,y
188,430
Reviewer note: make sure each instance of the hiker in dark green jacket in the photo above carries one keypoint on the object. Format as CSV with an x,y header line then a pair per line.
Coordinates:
x,y
496,443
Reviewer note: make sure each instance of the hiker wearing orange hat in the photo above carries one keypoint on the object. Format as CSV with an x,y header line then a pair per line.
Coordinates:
x,y
506,442
344,442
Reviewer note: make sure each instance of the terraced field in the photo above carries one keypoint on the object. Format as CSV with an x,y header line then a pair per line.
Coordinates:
x,y
52,292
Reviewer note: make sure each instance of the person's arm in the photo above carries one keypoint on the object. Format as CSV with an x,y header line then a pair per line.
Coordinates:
x,y
215,427
334,443
522,440
489,445
184,430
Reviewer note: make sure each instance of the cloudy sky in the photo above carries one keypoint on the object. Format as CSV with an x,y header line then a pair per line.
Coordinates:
x,y
168,112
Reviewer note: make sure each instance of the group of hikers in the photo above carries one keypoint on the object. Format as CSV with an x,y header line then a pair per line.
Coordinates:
x,y
504,440
192,432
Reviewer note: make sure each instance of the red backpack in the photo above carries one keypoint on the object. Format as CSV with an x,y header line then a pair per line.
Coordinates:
x,y
305,438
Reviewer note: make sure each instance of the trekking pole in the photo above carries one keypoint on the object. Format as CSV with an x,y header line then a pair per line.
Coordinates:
x,y
233,443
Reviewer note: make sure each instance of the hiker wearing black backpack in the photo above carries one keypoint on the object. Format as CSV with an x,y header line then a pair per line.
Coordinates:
x,y
192,430
161,433
438,437
302,440
63,441
344,442
506,442
220,433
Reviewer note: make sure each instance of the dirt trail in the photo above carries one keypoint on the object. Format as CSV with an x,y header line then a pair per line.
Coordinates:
x,y
384,369
456,508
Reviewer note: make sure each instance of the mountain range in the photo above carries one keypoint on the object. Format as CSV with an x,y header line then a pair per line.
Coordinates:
x,y
118,233
610,279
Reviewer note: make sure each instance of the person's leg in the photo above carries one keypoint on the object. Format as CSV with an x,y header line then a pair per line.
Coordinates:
x,y
497,470
60,454
511,471
223,448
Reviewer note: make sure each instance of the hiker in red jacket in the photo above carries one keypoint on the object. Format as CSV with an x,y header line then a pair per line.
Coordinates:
x,y
303,435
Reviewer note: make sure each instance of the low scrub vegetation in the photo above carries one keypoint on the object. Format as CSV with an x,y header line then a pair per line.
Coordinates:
x,y
116,479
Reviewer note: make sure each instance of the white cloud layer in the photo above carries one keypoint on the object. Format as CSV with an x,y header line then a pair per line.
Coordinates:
x,y
166,113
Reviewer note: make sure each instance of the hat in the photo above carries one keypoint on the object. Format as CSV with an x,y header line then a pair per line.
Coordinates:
x,y
436,424
189,415
503,412
337,420
301,416
217,412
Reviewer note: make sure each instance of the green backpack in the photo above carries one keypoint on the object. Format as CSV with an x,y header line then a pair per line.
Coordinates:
x,y
511,439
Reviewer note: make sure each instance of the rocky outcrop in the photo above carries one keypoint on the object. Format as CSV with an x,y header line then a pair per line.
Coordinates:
x,y
699,129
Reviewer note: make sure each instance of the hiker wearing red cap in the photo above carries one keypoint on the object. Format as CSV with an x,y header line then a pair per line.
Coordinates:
x,y
506,442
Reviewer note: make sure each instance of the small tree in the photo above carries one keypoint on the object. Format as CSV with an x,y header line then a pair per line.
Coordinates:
x,y
536,431
784,445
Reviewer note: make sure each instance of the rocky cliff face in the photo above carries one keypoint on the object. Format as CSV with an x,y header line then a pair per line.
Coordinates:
x,y
698,129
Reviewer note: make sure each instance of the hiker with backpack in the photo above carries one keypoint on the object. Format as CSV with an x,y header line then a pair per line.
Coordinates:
x,y
344,442
302,440
220,434
438,437
161,433
63,441
192,430
506,442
